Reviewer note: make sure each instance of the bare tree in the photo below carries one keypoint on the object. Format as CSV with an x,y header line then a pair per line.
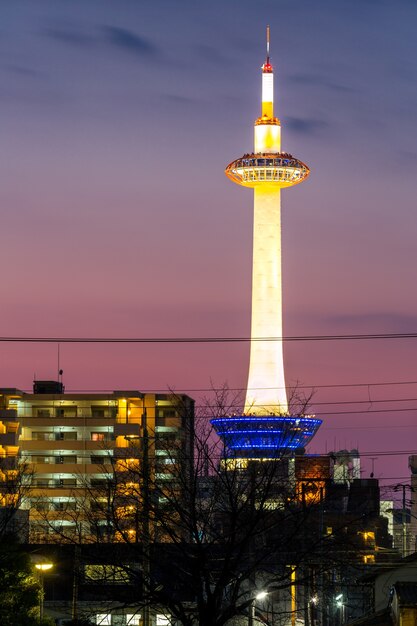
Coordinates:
x,y
195,534
16,478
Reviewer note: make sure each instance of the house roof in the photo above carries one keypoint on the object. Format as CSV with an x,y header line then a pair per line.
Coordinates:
x,y
382,618
406,592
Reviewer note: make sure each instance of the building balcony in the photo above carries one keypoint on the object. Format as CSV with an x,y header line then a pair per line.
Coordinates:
x,y
132,431
9,439
32,445
8,415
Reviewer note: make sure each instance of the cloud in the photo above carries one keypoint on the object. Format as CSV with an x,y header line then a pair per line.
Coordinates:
x,y
305,126
69,36
408,155
129,41
386,322
210,54
175,99
314,79
20,70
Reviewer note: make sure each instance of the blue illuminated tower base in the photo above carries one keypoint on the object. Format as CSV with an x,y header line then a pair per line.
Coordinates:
x,y
265,437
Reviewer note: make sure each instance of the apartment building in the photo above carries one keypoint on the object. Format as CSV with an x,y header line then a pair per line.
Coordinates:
x,y
72,443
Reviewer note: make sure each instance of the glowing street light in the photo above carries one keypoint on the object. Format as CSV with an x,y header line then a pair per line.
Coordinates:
x,y
261,595
42,567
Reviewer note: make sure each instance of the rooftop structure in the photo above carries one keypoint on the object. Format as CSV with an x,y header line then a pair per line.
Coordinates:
x,y
266,426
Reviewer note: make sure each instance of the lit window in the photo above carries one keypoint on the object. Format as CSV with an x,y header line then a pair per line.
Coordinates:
x,y
132,619
103,619
97,436
368,558
163,620
106,574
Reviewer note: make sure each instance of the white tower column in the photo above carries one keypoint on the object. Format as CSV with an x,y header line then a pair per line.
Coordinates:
x,y
266,383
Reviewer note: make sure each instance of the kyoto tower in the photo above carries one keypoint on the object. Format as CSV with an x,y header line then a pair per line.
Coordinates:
x,y
266,425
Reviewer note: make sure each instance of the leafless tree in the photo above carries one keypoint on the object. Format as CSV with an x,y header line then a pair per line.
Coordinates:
x,y
195,534
16,478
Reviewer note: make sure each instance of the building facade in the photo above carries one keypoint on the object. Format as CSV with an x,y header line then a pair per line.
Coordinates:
x,y
58,449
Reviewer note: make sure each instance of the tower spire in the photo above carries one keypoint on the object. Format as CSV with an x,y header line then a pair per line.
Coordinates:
x,y
267,44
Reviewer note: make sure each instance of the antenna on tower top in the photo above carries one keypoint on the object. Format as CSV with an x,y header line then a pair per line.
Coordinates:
x,y
267,44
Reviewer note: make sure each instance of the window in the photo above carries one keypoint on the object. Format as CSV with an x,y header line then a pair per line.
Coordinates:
x,y
43,435
98,411
40,505
67,435
40,459
167,417
103,619
41,411
99,482
98,460
66,482
98,436
132,619
66,411
163,620
66,459
65,506
106,574
41,482
368,558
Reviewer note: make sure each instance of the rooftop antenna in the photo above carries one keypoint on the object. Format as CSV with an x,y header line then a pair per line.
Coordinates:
x,y
60,371
373,459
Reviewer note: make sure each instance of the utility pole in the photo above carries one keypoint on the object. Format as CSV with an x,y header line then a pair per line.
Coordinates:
x,y
404,524
403,509
146,513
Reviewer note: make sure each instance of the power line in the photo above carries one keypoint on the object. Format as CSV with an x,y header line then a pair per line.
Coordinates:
x,y
183,389
122,340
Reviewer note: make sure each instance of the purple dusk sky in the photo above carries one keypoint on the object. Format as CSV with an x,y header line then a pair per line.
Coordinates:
x,y
117,120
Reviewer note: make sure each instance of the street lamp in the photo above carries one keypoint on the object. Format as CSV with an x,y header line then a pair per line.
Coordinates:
x,y
341,606
42,568
261,595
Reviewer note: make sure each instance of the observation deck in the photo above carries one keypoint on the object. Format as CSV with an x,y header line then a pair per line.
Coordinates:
x,y
265,437
279,169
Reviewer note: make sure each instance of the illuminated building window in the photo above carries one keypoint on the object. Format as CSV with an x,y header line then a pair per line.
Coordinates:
x,y
132,619
97,436
329,530
163,620
103,619
106,574
368,558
